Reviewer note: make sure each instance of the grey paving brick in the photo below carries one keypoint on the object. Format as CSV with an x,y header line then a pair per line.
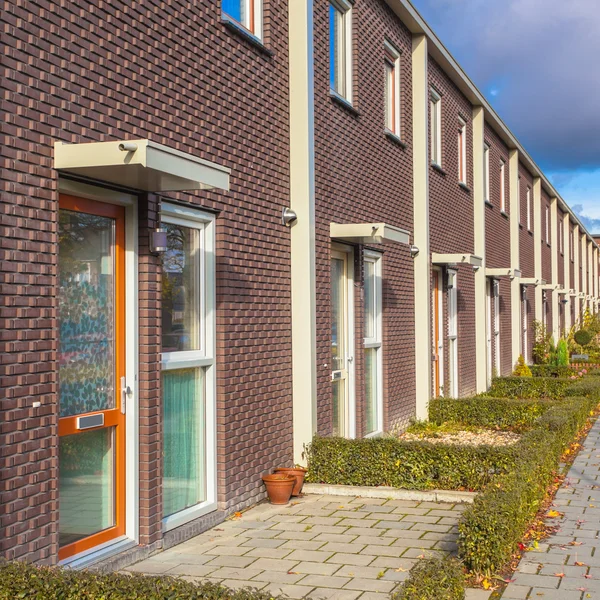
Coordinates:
x,y
316,568
235,573
309,555
333,594
370,585
274,564
238,584
288,591
516,592
327,581
351,559
358,571
224,561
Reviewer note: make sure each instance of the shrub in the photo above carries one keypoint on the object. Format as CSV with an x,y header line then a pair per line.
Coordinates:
x,y
434,579
22,580
562,353
521,368
541,344
588,388
406,464
552,371
528,387
490,529
583,337
495,413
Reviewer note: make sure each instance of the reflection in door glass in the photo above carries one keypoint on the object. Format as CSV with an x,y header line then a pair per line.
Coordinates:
x,y
86,312
86,484
338,344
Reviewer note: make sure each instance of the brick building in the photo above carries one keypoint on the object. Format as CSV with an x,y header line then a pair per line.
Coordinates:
x,y
167,333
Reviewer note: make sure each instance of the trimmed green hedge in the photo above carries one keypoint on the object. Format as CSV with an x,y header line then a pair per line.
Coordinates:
x,y
590,388
528,387
434,579
22,580
551,371
406,464
494,413
491,528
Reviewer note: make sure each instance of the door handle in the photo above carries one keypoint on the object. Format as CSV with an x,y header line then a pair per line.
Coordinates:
x,y
125,392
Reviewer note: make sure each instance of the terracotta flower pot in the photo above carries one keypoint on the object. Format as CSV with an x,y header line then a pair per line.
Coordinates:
x,y
299,473
279,487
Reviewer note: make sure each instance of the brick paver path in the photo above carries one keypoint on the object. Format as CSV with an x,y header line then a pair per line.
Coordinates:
x,y
576,541
319,547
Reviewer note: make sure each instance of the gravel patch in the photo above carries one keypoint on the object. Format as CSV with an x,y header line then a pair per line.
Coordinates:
x,y
483,437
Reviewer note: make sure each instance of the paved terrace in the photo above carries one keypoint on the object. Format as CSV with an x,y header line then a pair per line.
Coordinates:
x,y
329,547
574,550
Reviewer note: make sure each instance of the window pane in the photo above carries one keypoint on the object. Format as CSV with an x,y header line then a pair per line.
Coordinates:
x,y
339,402
372,389
184,440
86,484
234,8
390,99
180,293
86,312
337,51
338,314
370,310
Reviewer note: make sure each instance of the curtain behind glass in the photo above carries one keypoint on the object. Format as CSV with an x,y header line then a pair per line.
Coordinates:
x,y
183,434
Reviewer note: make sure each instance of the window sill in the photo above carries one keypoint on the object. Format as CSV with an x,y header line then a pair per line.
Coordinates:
x,y
464,186
504,214
339,99
241,31
520,226
438,168
549,245
488,203
530,232
395,138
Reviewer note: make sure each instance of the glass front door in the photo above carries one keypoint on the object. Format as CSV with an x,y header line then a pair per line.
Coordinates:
x,y
91,363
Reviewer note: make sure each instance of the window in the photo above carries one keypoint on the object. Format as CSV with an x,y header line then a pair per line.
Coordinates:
x,y
245,12
528,208
547,217
392,89
486,172
373,343
435,126
502,186
340,48
518,199
561,235
453,333
187,365
462,151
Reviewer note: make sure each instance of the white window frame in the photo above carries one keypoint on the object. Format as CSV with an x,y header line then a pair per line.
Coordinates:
x,y
344,8
204,357
528,208
452,281
561,236
377,341
435,127
392,103
547,213
496,296
486,172
462,151
252,17
503,186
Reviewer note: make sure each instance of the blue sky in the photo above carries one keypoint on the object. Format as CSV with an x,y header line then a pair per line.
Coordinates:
x,y
538,63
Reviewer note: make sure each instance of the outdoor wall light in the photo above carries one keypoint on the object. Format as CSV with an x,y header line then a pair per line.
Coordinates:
x,y
414,250
127,147
158,240
564,301
288,216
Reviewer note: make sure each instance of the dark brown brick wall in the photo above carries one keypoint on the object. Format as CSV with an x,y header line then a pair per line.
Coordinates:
x,y
172,72
497,240
363,176
451,215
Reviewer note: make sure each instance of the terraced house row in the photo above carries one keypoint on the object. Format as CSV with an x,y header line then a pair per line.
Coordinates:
x,y
231,225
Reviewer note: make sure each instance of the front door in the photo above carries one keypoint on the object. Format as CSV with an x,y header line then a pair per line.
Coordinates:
x,y
488,309
341,344
91,313
438,336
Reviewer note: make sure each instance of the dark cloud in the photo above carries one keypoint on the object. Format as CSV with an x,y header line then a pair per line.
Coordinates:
x,y
543,58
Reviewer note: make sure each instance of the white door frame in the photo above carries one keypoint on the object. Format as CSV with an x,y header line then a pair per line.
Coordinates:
x,y
346,253
488,333
452,278
439,317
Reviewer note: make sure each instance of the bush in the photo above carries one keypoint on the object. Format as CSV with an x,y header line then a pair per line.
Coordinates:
x,y
434,579
583,337
22,580
406,464
495,413
521,368
491,529
551,371
562,353
588,388
528,387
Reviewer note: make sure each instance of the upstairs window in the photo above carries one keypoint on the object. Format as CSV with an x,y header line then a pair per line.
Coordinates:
x,y
245,12
486,172
561,235
392,89
462,151
435,127
547,218
528,208
340,48
502,186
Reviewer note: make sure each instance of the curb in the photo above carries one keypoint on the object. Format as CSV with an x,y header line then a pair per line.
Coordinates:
x,y
390,493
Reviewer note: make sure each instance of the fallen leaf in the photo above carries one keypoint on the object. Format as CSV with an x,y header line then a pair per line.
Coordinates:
x,y
486,584
574,543
293,573
401,570
559,574
588,576
580,564
553,514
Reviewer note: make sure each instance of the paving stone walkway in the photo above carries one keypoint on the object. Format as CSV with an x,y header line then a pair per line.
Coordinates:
x,y
330,547
574,549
